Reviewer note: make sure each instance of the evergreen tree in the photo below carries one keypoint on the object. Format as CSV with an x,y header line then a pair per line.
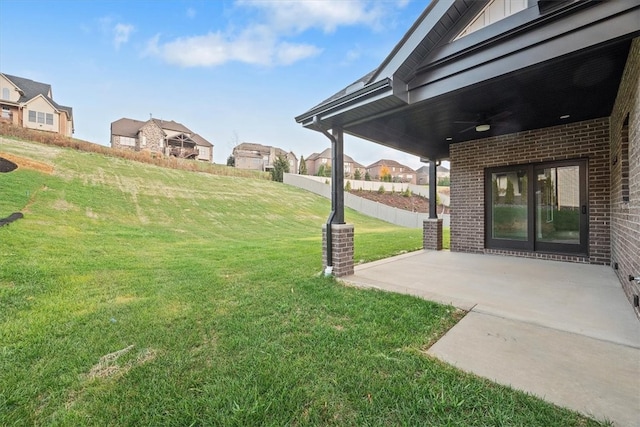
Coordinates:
x,y
509,197
280,167
357,175
367,177
231,161
302,170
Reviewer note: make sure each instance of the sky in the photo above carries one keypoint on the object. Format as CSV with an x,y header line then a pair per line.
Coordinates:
x,y
230,70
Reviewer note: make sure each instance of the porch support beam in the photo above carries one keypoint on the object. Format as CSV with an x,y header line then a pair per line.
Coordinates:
x,y
337,175
433,187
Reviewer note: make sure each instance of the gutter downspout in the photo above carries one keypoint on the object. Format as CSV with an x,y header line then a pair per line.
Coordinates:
x,y
334,191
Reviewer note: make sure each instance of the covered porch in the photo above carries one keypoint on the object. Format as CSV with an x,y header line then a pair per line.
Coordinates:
x,y
182,146
562,331
537,113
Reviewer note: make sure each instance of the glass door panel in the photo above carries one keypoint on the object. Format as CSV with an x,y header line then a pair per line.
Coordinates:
x,y
558,206
539,207
509,205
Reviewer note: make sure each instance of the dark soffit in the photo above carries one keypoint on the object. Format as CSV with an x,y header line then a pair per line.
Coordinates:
x,y
582,85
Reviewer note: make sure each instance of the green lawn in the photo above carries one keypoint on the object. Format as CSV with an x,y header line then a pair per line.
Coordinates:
x,y
136,295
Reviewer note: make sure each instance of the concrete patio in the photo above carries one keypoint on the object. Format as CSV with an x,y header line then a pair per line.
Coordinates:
x,y
562,331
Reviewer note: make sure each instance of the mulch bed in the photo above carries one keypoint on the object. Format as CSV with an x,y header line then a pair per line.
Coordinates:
x,y
7,165
411,203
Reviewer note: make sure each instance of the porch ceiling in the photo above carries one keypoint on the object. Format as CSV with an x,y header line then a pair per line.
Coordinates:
x,y
582,85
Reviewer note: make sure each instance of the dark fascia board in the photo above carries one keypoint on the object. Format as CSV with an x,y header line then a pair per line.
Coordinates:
x,y
507,28
509,54
412,39
361,96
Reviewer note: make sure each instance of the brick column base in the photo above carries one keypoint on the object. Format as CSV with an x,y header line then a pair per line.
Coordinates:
x,y
342,247
432,234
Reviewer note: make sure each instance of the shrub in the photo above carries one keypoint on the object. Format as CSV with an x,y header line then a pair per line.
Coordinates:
x,y
381,190
347,186
407,192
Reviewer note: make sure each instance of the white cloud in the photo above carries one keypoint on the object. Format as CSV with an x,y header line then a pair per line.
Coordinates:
x,y
270,39
121,33
327,15
288,53
255,46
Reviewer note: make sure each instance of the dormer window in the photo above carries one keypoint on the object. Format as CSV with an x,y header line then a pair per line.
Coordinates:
x,y
493,12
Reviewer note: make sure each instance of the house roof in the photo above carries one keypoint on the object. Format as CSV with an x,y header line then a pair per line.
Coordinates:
x,y
126,127
201,141
521,73
130,128
30,89
171,125
258,150
425,169
389,163
326,154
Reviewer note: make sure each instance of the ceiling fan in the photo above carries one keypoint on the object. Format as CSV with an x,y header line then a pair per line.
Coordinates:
x,y
483,121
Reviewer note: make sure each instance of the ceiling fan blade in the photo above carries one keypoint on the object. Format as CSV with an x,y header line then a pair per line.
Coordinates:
x,y
500,116
469,128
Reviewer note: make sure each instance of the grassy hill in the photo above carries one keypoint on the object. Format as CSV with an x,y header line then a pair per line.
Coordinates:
x,y
132,294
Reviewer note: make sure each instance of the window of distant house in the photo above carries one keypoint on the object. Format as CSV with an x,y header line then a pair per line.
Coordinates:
x,y
6,112
32,116
40,117
324,161
493,12
5,93
127,141
50,119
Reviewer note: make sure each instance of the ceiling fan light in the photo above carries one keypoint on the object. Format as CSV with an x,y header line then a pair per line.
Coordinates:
x,y
483,127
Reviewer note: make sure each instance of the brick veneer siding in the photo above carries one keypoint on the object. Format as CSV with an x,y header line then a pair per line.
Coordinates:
x,y
432,234
625,215
342,248
582,140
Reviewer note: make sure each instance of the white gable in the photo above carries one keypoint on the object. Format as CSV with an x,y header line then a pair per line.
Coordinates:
x,y
8,91
493,12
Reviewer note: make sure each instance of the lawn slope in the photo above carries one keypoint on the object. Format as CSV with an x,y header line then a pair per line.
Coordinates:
x,y
136,295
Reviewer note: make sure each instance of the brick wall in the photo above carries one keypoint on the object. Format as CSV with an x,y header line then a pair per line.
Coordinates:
x,y
432,234
342,247
625,158
583,140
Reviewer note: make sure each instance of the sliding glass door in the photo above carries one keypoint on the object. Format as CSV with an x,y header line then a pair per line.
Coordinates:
x,y
537,207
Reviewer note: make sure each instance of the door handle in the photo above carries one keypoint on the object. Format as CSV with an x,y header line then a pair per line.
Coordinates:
x,y
584,209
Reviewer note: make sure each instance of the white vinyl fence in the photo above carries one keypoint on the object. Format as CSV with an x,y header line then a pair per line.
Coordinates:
x,y
322,187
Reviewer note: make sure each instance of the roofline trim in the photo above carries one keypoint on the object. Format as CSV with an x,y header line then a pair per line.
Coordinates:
x,y
359,95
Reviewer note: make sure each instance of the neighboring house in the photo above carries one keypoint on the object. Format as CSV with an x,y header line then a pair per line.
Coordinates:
x,y
422,174
260,157
317,161
160,136
398,172
539,96
30,104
